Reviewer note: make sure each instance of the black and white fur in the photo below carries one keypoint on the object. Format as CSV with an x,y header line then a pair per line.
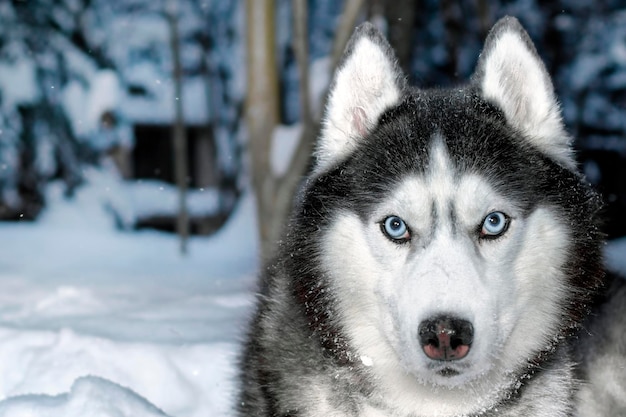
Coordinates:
x,y
339,324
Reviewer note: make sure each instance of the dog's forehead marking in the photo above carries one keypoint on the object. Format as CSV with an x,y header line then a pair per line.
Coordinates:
x,y
440,164
440,178
441,199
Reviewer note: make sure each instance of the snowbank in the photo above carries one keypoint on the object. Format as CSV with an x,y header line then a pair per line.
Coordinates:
x,y
90,396
192,379
98,322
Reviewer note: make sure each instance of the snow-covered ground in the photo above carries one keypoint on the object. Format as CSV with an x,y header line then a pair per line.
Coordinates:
x,y
99,322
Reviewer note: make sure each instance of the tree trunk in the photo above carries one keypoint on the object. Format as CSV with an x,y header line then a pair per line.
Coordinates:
x,y
275,195
400,16
262,111
286,186
179,135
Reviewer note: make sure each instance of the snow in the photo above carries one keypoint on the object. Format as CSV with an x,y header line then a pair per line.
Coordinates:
x,y
105,95
615,256
159,106
17,83
90,396
284,143
318,84
99,322
124,202
367,361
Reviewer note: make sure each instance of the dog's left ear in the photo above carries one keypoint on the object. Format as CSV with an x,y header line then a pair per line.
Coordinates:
x,y
511,75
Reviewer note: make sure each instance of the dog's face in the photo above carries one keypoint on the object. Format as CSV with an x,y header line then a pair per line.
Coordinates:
x,y
447,275
448,215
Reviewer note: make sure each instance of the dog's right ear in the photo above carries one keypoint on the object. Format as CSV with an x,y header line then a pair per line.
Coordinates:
x,y
367,81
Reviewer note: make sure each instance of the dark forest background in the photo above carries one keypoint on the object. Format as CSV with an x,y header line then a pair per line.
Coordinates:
x,y
96,84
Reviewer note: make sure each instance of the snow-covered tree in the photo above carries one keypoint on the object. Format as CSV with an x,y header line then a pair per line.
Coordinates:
x,y
75,75
39,52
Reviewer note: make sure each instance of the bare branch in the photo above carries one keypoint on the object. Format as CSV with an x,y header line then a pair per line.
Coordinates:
x,y
179,134
345,27
301,49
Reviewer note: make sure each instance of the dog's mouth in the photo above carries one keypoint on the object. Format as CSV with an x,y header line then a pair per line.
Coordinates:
x,y
448,372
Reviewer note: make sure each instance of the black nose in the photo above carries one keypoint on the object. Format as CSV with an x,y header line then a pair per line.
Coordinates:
x,y
445,338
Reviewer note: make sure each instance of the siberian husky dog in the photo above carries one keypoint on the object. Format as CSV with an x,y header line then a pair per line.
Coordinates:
x,y
441,257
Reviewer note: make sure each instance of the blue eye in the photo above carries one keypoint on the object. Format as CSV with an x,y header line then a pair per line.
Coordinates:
x,y
494,225
395,229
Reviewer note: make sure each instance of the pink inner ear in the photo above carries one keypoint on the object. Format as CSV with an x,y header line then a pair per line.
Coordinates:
x,y
359,121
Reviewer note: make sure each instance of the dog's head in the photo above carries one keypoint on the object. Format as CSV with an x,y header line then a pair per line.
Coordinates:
x,y
453,232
